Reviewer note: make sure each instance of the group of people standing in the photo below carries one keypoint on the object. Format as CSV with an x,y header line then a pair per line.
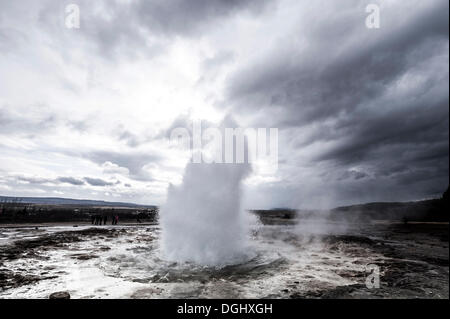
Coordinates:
x,y
102,220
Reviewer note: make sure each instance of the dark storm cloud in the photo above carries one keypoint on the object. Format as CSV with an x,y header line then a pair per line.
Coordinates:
x,y
97,182
381,103
423,124
43,180
34,180
70,180
353,175
119,28
315,84
185,17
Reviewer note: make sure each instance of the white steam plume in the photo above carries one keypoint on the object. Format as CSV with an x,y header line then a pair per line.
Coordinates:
x,y
202,220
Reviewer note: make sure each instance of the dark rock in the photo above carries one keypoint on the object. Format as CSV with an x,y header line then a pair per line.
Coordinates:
x,y
84,256
60,295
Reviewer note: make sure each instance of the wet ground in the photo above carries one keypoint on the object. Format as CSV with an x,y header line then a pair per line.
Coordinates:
x,y
283,261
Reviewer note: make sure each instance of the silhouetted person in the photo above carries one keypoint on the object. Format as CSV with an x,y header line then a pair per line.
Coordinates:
x,y
105,218
92,219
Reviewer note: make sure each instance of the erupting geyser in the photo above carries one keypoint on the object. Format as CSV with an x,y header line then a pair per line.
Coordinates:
x,y
202,220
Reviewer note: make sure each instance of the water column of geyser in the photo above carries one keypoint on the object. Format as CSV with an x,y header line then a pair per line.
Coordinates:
x,y
203,221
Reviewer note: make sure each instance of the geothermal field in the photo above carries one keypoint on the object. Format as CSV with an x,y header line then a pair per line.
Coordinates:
x,y
281,261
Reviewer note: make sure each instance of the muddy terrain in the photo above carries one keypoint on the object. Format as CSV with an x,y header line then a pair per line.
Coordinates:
x,y
283,261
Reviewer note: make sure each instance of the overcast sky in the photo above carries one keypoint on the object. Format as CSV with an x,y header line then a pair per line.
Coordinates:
x,y
362,114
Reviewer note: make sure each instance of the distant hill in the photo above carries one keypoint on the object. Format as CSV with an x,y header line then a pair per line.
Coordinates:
x,y
69,201
432,210
425,210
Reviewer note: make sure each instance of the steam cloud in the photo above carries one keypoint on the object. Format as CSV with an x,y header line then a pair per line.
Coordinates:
x,y
202,220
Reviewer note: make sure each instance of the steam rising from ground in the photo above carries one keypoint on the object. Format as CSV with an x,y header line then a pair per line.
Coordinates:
x,y
202,220
312,227
320,224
